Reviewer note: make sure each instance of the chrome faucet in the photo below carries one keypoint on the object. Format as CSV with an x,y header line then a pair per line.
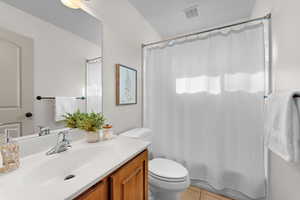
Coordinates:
x,y
61,145
44,131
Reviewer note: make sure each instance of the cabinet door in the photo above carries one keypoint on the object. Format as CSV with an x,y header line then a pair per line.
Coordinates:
x,y
130,182
97,192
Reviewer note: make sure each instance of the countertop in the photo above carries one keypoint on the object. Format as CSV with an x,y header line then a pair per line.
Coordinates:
x,y
41,177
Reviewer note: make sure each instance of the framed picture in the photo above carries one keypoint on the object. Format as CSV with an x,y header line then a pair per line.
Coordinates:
x,y
126,83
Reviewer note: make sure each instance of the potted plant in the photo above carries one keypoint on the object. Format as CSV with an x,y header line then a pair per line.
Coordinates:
x,y
72,120
91,123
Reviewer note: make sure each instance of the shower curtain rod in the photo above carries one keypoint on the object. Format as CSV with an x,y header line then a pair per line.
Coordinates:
x,y
268,16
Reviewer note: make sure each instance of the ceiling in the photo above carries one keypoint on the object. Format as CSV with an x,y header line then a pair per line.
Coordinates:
x,y
75,21
168,17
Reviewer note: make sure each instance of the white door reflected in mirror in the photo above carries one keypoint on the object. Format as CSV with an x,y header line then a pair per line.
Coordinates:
x,y
16,82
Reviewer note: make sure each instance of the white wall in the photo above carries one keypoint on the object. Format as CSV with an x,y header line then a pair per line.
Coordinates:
x,y
59,59
124,31
285,177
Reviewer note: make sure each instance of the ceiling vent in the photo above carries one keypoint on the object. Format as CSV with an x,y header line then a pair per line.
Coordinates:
x,y
191,12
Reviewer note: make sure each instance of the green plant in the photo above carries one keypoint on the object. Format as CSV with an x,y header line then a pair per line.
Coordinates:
x,y
91,122
73,120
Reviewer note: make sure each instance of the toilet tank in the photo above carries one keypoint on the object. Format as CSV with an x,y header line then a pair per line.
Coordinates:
x,y
139,133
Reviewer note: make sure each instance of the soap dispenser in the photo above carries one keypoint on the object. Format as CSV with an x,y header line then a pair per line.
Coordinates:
x,y
10,153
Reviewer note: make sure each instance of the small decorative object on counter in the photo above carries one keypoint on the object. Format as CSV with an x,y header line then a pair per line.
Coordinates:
x,y
9,153
107,132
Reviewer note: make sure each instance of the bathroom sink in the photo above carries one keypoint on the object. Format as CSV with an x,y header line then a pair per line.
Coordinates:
x,y
58,167
67,174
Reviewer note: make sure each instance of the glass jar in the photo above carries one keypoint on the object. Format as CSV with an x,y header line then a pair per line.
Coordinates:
x,y
107,132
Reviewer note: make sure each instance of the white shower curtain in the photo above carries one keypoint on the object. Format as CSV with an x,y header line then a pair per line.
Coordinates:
x,y
203,99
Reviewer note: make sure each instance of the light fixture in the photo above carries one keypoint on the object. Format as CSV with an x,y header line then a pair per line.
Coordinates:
x,y
74,4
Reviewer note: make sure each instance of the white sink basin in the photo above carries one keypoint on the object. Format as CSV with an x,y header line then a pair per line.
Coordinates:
x,y
58,166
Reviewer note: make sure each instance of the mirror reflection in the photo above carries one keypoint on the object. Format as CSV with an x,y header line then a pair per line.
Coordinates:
x,y
50,65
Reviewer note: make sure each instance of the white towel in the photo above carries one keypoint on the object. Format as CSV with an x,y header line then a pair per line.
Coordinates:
x,y
64,105
282,125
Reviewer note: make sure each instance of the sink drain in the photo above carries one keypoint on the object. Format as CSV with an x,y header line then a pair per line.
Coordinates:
x,y
69,177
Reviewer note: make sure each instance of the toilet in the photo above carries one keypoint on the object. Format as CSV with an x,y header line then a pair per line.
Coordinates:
x,y
167,178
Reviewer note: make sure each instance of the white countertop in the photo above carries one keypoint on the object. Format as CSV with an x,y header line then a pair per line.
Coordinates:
x,y
41,177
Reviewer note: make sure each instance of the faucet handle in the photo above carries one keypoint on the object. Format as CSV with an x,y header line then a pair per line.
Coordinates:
x,y
65,138
43,130
64,135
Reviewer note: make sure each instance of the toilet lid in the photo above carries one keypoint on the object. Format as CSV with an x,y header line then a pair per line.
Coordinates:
x,y
167,169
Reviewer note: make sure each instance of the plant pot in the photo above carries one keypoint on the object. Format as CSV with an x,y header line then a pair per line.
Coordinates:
x,y
92,137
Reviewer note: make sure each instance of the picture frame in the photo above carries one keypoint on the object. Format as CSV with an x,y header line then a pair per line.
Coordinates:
x,y
126,85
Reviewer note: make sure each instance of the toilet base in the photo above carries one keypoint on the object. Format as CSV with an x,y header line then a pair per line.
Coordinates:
x,y
167,196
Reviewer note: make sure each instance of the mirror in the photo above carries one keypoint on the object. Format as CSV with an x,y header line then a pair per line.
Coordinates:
x,y
50,64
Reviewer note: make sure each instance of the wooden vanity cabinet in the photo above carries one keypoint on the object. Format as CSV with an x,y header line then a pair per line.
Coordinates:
x,y
129,182
100,191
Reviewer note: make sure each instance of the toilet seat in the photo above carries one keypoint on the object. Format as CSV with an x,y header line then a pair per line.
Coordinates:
x,y
167,170
171,180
